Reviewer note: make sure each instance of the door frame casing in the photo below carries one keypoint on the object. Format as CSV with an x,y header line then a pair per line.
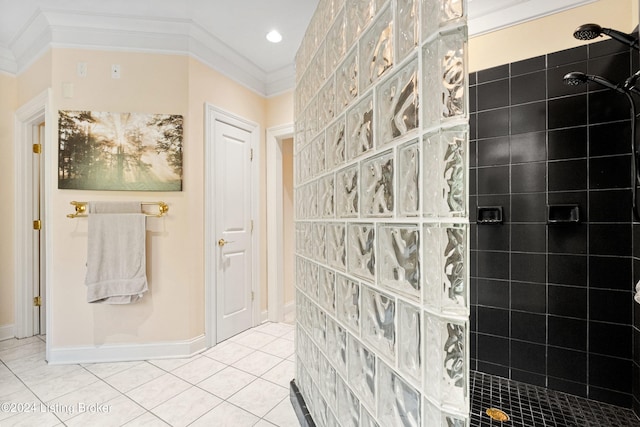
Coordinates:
x,y
215,114
275,224
30,114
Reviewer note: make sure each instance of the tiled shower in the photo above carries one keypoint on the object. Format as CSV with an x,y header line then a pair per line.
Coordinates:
x,y
380,193
552,303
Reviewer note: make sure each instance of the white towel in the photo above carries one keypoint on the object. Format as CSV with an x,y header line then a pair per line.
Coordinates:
x,y
637,295
116,258
114,207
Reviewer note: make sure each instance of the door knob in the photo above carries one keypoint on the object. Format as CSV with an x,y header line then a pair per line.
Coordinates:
x,y
223,242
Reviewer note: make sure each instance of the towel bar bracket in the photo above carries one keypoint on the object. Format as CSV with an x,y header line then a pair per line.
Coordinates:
x,y
81,209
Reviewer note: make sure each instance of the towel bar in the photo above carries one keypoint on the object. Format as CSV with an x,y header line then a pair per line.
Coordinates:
x,y
81,209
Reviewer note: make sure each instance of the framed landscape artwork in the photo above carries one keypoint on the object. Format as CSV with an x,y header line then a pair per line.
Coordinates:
x,y
119,151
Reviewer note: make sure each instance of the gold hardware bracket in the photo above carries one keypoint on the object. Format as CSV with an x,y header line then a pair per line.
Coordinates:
x,y
37,301
251,155
37,224
253,295
37,148
81,209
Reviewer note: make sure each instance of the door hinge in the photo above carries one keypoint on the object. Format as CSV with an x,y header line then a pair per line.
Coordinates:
x,y
37,148
253,296
37,224
37,301
252,226
251,154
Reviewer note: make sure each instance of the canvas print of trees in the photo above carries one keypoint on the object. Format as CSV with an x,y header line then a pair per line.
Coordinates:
x,y
119,151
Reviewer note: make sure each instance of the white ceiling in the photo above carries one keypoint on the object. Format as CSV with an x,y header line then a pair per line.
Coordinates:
x,y
228,35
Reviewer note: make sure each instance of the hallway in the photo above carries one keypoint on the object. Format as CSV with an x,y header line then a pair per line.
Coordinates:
x,y
243,381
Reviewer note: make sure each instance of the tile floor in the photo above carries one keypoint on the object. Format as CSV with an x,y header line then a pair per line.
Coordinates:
x,y
243,381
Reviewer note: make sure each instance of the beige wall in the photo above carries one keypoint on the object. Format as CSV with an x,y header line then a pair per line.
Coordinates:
x,y
8,105
288,247
548,34
280,109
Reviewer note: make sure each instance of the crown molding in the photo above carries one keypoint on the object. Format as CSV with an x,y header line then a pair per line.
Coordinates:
x,y
67,29
506,13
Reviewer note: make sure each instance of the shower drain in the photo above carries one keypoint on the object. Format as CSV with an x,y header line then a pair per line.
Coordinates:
x,y
497,414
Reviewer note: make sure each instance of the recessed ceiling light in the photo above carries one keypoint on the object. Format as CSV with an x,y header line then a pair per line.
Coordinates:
x,y
274,36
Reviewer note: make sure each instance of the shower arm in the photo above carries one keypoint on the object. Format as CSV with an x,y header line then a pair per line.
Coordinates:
x,y
634,156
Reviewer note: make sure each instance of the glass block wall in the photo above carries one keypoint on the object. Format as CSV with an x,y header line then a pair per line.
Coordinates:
x,y
381,147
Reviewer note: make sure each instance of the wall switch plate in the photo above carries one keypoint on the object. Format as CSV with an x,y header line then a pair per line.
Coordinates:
x,y
115,71
82,69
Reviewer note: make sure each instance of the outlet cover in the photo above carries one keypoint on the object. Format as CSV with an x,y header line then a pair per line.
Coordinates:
x,y
115,71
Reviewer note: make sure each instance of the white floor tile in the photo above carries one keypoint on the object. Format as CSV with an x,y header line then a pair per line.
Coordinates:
x,y
115,412
275,329
228,352
10,384
257,363
186,407
36,418
22,351
60,386
281,374
253,339
283,415
259,397
291,336
26,363
13,343
226,382
171,364
45,373
67,406
198,370
147,420
134,377
226,415
263,423
21,397
280,347
158,391
105,370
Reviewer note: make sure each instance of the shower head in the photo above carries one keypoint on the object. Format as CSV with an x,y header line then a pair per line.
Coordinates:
x,y
592,31
576,78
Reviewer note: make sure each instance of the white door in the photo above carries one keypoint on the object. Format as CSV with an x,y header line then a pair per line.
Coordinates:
x,y
37,245
232,204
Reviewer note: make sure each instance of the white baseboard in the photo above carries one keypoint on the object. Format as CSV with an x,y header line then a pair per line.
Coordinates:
x,y
126,352
7,332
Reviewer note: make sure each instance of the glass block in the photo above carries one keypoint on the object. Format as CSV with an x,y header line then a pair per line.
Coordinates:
x,y
348,303
327,291
318,242
445,276
308,201
436,417
327,381
376,49
327,107
409,333
362,371
378,322
305,163
325,197
312,363
336,42
444,82
361,250
336,251
398,104
399,405
366,419
444,173
409,179
437,13
312,119
406,27
318,406
347,192
318,326
359,14
337,345
399,258
376,186
312,280
347,81
446,362
300,273
360,128
335,144
317,155
348,406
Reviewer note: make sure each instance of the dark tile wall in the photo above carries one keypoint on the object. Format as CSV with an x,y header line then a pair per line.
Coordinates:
x,y
552,303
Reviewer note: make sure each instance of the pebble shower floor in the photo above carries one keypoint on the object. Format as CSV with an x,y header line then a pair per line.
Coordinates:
x,y
531,406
